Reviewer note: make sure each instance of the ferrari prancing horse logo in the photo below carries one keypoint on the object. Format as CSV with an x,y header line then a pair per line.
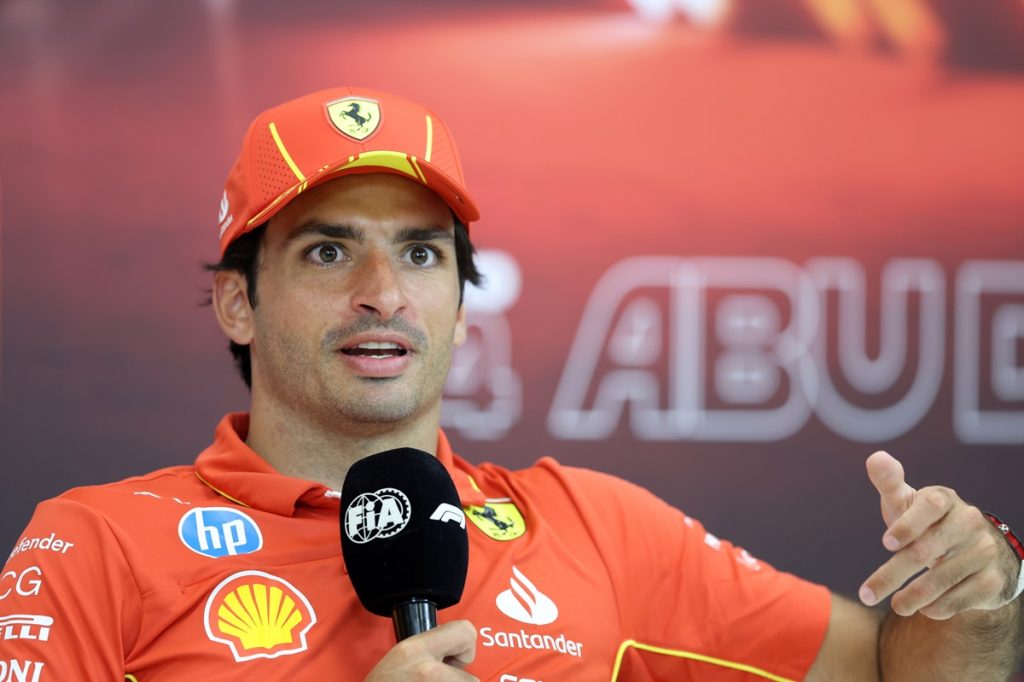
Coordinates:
x,y
354,117
498,519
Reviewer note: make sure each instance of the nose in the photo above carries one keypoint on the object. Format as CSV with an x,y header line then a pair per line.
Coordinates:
x,y
377,288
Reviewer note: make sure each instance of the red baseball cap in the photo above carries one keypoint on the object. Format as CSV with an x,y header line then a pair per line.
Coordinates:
x,y
330,133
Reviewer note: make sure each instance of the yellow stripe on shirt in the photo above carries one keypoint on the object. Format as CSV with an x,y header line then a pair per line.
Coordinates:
x,y
629,643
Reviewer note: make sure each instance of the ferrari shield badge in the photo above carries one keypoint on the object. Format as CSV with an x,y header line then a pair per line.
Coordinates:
x,y
354,117
498,520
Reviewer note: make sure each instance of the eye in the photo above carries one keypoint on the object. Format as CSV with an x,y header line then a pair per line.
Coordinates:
x,y
421,255
325,253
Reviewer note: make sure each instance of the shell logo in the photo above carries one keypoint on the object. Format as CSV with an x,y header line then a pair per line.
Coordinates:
x,y
258,615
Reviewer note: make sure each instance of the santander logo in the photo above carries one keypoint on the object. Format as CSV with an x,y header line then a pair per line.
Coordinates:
x,y
525,603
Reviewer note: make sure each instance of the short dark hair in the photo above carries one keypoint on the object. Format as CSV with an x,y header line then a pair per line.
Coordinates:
x,y
243,254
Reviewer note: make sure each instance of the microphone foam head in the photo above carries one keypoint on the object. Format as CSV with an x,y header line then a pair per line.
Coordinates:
x,y
403,531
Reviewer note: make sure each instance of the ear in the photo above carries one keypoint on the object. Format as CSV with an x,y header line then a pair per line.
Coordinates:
x,y
231,304
460,326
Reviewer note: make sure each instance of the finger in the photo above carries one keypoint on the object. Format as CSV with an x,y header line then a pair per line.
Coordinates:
x,y
903,565
933,585
454,643
930,506
886,474
979,590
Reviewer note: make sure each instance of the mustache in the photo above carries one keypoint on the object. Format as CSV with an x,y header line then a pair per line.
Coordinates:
x,y
372,323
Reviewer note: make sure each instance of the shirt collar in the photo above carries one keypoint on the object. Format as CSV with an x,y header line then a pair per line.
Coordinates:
x,y
235,471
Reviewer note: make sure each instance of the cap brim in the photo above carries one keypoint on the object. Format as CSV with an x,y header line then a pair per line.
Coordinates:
x,y
379,161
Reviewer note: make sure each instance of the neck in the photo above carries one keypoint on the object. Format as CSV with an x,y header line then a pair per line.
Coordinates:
x,y
303,446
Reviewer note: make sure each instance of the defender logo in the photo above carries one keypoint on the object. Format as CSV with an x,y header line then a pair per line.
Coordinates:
x,y
446,512
219,531
354,117
375,515
52,543
258,615
498,519
525,603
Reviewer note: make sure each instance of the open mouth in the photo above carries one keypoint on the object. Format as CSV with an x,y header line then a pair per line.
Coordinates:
x,y
376,349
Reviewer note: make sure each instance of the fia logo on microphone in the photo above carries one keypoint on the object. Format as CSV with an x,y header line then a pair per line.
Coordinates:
x,y
379,514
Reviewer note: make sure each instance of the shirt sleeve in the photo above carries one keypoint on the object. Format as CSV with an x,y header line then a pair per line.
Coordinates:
x,y
67,597
693,606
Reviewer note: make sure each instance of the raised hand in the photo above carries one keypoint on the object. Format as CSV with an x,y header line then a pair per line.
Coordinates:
x,y
966,563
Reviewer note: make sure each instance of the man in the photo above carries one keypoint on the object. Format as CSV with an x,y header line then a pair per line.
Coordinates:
x,y
344,243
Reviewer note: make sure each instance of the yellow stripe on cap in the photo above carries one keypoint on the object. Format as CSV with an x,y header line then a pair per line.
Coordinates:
x,y
419,173
258,218
385,159
732,665
284,153
430,139
398,161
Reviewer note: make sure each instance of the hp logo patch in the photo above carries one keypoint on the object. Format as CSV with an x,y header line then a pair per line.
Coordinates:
x,y
379,514
219,531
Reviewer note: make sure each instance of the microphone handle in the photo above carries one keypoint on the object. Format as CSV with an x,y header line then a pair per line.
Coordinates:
x,y
413,617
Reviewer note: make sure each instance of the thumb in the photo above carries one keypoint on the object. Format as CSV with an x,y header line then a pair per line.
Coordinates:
x,y
453,643
886,474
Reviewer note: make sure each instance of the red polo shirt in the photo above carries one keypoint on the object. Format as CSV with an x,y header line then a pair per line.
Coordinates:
x,y
227,570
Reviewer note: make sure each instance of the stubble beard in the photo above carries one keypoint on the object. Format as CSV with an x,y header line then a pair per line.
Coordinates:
x,y
378,404
317,389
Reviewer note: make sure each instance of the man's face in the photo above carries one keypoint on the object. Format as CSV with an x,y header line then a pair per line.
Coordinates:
x,y
358,302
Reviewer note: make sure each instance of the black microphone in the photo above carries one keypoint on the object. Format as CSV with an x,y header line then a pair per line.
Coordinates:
x,y
403,536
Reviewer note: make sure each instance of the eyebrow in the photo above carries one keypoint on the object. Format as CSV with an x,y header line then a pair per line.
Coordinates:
x,y
315,227
425,233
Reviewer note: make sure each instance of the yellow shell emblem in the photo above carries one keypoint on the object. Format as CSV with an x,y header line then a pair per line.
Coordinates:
x,y
355,117
258,615
500,520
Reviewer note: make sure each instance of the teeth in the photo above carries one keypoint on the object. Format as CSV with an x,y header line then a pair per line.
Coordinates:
x,y
378,345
